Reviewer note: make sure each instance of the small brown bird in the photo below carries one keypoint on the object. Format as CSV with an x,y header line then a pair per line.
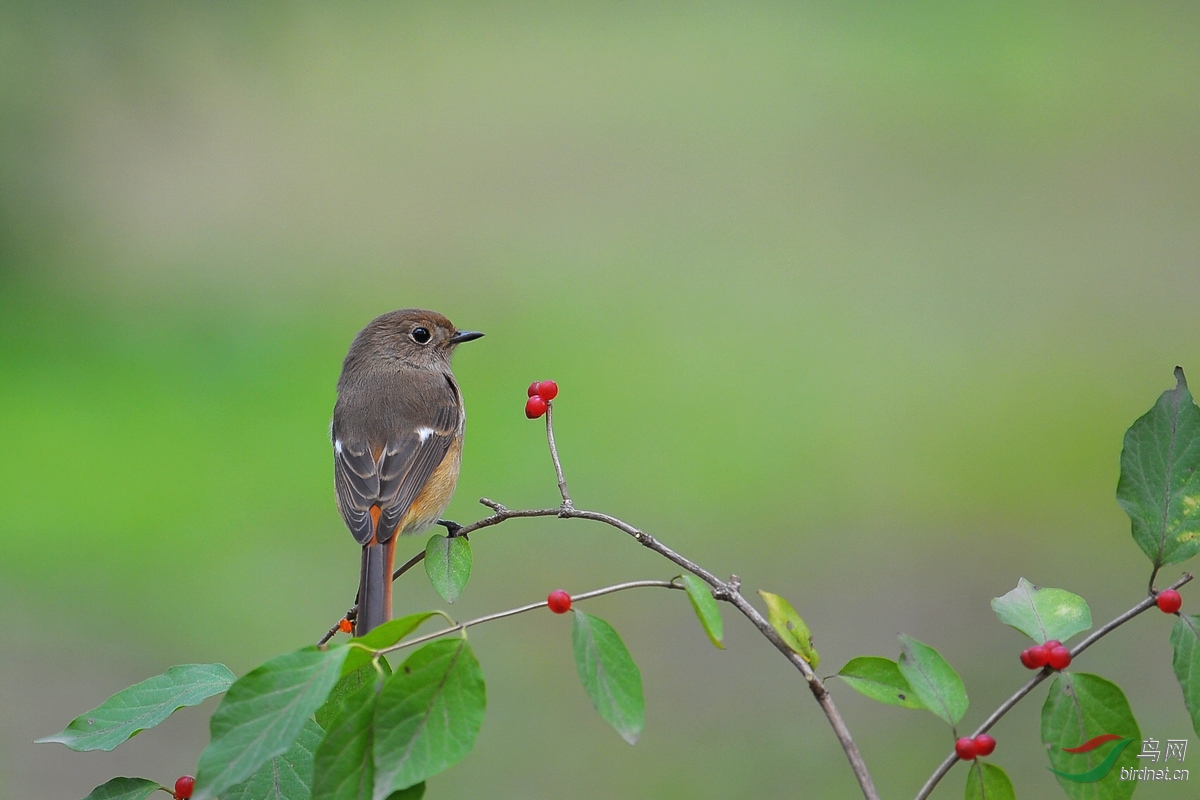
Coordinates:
x,y
397,441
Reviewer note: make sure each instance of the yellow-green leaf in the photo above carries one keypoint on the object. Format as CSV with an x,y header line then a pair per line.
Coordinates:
x,y
790,627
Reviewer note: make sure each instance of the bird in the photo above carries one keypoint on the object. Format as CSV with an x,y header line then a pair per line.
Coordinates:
x,y
397,435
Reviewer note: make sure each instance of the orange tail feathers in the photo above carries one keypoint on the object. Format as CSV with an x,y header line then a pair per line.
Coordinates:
x,y
375,586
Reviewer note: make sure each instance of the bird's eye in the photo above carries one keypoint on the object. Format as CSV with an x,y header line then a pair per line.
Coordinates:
x,y
420,335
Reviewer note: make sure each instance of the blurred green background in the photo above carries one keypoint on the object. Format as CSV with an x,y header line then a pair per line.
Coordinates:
x,y
853,299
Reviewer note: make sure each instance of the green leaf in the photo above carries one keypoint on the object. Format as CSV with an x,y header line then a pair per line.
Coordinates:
x,y
1079,708
124,789
362,648
448,565
348,685
1043,614
262,715
1185,642
427,715
284,777
609,675
705,606
988,782
1159,486
790,627
934,681
344,768
879,679
143,706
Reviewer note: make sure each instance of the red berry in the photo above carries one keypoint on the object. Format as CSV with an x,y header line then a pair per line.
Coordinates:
x,y
344,626
559,601
966,748
535,407
533,388
184,786
1169,601
1050,644
1059,658
547,390
984,744
1039,656
1027,658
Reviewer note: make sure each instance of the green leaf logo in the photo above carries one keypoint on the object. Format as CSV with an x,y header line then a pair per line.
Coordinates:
x,y
1087,725
1104,767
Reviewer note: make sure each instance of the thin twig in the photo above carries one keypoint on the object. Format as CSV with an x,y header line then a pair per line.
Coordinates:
x,y
337,626
575,598
558,472
1128,615
1046,672
407,565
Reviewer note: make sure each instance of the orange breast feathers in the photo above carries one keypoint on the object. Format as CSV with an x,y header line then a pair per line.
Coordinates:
x,y
428,506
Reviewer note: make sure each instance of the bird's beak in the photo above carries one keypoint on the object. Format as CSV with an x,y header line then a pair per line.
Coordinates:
x,y
464,336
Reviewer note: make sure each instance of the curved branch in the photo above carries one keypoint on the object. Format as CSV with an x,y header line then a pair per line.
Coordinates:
x,y
618,587
727,591
1046,672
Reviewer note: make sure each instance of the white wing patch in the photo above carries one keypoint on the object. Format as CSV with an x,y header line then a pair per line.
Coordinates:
x,y
424,433
337,447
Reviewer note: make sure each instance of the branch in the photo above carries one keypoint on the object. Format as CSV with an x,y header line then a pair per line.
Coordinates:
x,y
619,587
337,626
727,591
1046,672
558,473
730,592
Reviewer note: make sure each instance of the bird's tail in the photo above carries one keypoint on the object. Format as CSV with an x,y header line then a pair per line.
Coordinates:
x,y
375,586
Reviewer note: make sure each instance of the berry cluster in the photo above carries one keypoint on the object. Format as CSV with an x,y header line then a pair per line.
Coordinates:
x,y
184,786
540,395
969,749
559,601
1169,601
1051,654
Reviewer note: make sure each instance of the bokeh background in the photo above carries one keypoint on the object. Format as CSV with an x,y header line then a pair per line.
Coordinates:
x,y
853,299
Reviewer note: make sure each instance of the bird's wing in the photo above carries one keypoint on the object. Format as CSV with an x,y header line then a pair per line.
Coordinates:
x,y
392,475
357,484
